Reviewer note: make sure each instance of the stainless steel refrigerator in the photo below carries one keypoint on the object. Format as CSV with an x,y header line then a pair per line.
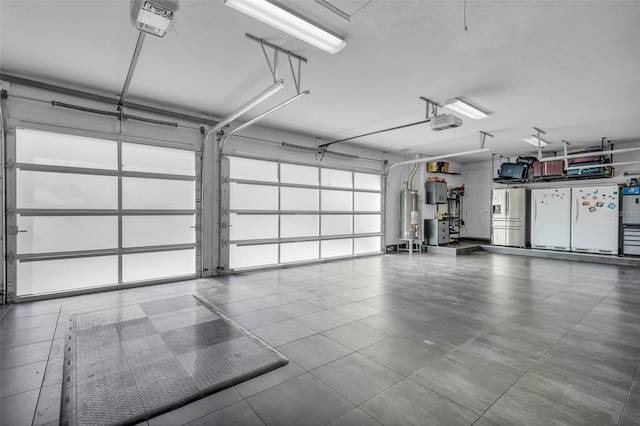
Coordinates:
x,y
510,217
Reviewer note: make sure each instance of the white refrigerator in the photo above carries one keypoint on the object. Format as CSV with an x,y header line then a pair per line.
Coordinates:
x,y
594,219
551,219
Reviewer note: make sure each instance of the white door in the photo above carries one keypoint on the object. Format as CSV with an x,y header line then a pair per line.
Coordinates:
x,y
476,203
594,224
551,218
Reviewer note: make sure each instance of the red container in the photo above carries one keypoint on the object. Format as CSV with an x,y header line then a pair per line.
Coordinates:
x,y
588,159
553,168
537,169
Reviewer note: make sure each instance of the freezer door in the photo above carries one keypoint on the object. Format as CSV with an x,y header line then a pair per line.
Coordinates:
x,y
551,218
594,219
631,209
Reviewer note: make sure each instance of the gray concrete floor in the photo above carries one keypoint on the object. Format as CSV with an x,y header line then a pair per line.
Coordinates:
x,y
398,339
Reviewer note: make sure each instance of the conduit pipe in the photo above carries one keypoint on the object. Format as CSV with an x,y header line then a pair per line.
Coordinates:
x,y
437,157
411,175
589,154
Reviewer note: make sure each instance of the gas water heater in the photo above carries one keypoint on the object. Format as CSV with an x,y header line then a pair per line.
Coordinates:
x,y
409,215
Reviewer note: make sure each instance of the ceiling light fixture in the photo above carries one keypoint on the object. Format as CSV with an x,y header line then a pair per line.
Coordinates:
x,y
533,140
464,108
153,17
277,16
269,112
249,105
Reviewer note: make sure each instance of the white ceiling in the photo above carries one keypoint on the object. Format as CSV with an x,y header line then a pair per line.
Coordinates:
x,y
571,68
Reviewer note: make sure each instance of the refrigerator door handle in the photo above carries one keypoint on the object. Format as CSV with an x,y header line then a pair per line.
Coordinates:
x,y
577,210
507,202
535,212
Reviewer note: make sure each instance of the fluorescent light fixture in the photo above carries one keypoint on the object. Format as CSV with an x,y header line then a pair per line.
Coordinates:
x,y
533,140
269,112
249,105
277,16
465,109
154,18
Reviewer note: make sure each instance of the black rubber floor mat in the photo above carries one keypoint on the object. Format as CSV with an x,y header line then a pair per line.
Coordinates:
x,y
126,365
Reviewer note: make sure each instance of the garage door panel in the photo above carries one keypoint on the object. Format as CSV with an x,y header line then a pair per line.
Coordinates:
x,y
50,234
163,264
50,276
47,190
158,230
157,159
56,149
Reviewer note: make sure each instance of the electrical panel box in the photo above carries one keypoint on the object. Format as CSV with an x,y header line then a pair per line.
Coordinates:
x,y
436,192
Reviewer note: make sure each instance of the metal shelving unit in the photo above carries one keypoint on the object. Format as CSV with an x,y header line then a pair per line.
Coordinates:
x,y
454,210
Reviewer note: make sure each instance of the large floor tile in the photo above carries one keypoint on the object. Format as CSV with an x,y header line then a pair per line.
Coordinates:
x,y
355,311
269,380
238,414
613,372
597,346
48,408
399,355
355,417
356,336
631,412
314,351
30,309
21,379
518,404
472,387
565,387
24,354
297,309
19,409
392,322
24,337
197,409
322,321
261,318
283,332
409,403
328,301
24,323
491,358
304,400
357,378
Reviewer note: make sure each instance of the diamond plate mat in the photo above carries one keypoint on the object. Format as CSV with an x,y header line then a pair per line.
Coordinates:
x,y
125,365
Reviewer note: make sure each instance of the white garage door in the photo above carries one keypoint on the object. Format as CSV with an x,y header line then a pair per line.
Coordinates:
x,y
92,212
282,213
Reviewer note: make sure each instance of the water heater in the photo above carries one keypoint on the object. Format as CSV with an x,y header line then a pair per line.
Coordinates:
x,y
409,215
